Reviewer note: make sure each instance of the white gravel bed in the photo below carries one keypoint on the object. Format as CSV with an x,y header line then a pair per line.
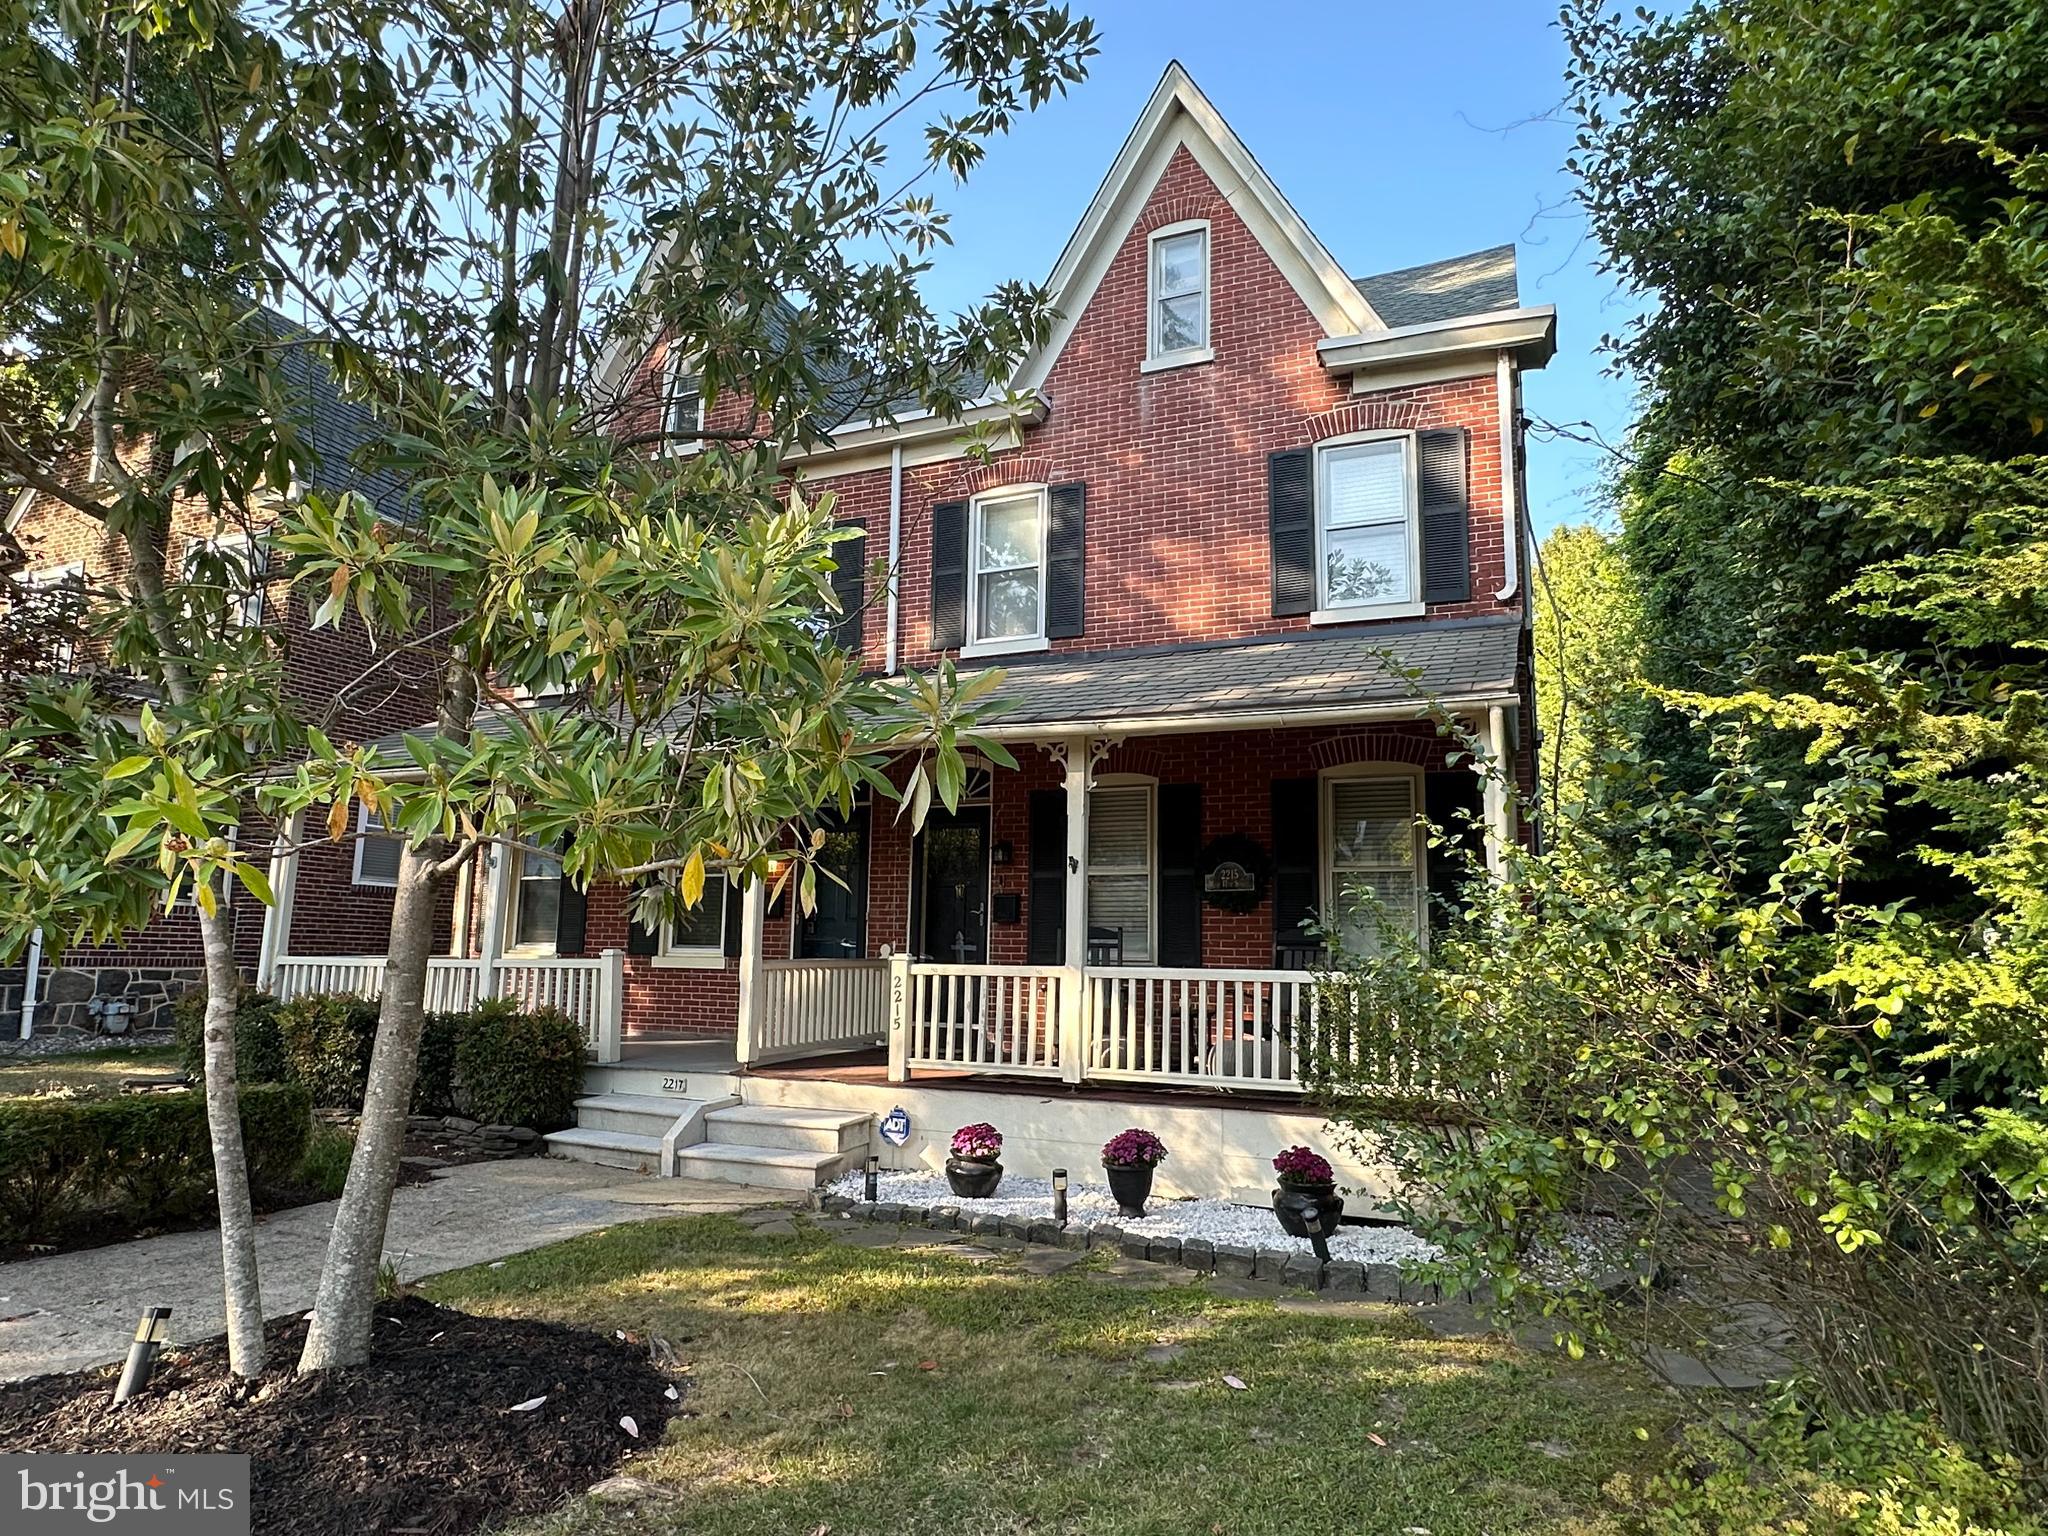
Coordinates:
x,y
1217,1221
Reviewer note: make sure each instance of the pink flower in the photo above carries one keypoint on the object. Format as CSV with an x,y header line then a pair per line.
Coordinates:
x,y
980,1143
1133,1149
1298,1165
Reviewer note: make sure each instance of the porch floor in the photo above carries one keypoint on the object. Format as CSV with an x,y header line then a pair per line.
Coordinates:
x,y
871,1069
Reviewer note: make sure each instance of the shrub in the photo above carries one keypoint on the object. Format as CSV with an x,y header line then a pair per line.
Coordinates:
x,y
327,1041
518,1068
259,1044
1133,1149
324,1168
433,1090
983,1143
142,1158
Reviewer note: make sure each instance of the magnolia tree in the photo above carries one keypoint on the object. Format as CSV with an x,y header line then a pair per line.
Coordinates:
x,y
535,203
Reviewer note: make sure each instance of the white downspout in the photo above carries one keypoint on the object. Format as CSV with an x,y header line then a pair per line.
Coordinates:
x,y
895,543
31,982
1510,497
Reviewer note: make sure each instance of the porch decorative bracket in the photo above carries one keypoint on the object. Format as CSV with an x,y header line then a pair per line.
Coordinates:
x,y
1098,749
1057,751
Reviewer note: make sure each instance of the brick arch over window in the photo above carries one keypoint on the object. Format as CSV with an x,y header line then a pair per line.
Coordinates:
x,y
1011,469
1137,757
1365,416
1180,208
1392,744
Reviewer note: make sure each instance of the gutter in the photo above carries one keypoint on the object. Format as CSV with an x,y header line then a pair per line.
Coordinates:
x,y
1505,386
31,982
895,547
1529,333
1263,720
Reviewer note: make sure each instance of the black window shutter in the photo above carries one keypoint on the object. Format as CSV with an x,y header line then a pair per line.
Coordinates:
x,y
1291,514
1446,520
639,941
1180,875
1045,936
949,575
850,587
734,919
572,912
1452,800
1295,897
1065,561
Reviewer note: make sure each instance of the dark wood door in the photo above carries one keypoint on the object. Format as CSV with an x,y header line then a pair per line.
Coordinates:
x,y
953,887
837,928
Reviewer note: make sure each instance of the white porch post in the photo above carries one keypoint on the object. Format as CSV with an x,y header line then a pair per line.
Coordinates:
x,y
1495,764
1073,976
611,1004
753,912
899,1017
490,943
284,890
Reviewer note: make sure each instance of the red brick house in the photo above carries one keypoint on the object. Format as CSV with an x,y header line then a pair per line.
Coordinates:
x,y
1266,519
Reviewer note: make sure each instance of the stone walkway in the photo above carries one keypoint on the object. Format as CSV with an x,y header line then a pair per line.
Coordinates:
x,y
73,1310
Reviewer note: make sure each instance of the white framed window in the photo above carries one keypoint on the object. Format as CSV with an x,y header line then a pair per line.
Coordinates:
x,y
376,856
1006,578
536,902
1373,848
1122,872
685,397
60,594
247,562
697,937
1177,289
1368,533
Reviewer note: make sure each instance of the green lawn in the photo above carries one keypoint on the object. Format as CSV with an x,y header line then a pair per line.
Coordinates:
x,y
848,1389
89,1072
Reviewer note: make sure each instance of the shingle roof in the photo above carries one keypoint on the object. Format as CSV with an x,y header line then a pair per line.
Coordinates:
x,y
1363,667
337,429
1475,284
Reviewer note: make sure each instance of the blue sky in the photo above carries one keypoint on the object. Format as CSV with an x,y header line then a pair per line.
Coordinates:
x,y
1401,133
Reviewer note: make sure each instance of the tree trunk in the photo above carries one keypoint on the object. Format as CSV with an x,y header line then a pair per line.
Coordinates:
x,y
340,1329
240,1291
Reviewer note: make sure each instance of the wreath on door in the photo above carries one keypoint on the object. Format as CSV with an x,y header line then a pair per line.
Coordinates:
x,y
1235,872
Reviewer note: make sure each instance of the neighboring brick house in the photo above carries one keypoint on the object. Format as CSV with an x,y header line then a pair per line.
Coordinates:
x,y
113,988
1266,515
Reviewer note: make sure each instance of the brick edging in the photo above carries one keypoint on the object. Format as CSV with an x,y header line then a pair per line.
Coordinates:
x,y
1343,1277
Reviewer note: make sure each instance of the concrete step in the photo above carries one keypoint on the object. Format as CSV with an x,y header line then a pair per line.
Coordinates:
x,y
644,1114
763,1167
790,1129
614,1149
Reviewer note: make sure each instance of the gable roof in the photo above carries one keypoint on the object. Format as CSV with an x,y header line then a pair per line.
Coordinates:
x,y
1179,115
1480,283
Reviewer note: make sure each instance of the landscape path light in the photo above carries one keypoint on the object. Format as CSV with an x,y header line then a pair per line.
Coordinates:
x,y
1059,1196
149,1338
874,1175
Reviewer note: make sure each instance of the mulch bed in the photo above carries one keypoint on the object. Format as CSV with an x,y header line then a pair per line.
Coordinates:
x,y
420,1441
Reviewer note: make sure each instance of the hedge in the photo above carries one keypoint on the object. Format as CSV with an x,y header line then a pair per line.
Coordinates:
x,y
140,1158
518,1068
259,1043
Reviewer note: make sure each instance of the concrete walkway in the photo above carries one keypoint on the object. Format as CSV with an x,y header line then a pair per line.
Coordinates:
x,y
74,1310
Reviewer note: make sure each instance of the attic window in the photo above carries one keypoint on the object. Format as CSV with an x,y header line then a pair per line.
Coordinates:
x,y
685,397
1178,325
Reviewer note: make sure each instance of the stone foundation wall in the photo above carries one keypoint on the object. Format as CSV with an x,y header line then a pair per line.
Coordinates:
x,y
90,1001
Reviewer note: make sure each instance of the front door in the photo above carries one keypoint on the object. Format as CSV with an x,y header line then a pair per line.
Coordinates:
x,y
953,887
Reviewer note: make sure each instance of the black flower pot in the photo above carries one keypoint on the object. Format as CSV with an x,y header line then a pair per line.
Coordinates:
x,y
973,1179
1131,1186
1294,1203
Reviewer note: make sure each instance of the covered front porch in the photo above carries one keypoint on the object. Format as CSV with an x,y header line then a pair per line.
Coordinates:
x,y
1133,907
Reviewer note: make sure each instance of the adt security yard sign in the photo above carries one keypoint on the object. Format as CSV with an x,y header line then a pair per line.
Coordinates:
x,y
896,1126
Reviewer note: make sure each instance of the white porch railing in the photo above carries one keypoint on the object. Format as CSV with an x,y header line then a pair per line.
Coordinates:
x,y
1200,1028
989,1018
590,991
808,1006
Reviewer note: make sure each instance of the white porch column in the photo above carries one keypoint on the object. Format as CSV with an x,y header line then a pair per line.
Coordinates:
x,y
753,913
1073,978
900,982
497,911
1496,765
284,890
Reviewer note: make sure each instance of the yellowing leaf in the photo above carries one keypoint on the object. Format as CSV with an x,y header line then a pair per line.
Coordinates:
x,y
693,877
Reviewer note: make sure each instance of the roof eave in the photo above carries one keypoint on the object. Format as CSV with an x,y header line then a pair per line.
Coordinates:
x,y
1531,334
1247,720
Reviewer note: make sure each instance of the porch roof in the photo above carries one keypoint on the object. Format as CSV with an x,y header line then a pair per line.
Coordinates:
x,y
1390,672
1310,677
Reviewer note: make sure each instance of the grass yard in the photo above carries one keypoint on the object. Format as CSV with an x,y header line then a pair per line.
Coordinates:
x,y
850,1388
89,1072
